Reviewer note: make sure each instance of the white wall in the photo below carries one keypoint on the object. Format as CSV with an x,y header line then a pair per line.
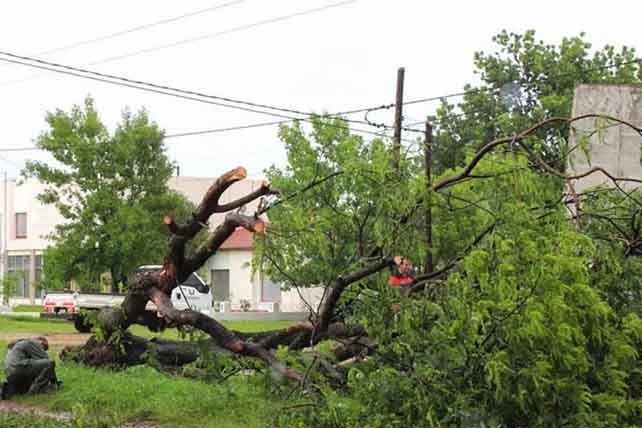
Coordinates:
x,y
242,285
292,302
617,150
41,219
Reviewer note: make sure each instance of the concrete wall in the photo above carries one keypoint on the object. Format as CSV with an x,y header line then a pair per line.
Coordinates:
x,y
618,149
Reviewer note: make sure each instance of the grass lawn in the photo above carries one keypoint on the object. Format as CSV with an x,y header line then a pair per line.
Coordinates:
x,y
106,398
38,325
27,308
34,325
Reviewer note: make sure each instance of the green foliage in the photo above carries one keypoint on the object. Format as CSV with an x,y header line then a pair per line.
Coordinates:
x,y
351,214
546,76
10,282
521,337
538,327
94,418
614,222
111,190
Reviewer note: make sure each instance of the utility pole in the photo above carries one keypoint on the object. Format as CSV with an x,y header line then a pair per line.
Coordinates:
x,y
396,139
428,165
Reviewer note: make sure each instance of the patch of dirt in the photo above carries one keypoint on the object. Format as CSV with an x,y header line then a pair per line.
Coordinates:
x,y
56,340
24,409
13,407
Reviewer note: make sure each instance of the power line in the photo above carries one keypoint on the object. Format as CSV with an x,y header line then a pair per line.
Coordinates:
x,y
227,129
163,89
138,28
224,32
154,88
211,35
134,84
115,80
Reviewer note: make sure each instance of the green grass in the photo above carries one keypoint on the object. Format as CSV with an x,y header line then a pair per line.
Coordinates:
x,y
27,308
34,325
142,393
38,325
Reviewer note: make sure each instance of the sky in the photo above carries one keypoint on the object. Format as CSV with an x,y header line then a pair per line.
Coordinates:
x,y
306,55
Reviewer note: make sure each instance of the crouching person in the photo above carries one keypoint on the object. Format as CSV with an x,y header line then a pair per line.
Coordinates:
x,y
28,368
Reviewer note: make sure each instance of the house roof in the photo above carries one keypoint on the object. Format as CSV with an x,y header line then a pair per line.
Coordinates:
x,y
240,239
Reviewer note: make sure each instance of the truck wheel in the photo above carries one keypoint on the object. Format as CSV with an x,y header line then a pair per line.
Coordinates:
x,y
82,324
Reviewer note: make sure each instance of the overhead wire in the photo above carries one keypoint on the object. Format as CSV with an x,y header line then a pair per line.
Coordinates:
x,y
254,125
168,90
228,102
137,28
211,35
224,32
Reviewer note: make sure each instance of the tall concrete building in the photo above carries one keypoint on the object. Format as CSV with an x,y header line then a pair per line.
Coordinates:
x,y
616,148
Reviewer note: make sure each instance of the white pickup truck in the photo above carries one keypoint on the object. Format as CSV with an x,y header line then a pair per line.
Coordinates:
x,y
193,293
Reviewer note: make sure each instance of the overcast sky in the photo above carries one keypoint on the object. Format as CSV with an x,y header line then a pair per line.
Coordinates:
x,y
341,58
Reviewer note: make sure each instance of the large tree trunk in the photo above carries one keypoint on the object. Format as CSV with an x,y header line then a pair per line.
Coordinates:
x,y
137,350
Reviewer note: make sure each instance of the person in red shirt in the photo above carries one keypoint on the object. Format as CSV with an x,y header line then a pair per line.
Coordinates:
x,y
401,275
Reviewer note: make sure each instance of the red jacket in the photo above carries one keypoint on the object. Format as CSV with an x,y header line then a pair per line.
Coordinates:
x,y
397,281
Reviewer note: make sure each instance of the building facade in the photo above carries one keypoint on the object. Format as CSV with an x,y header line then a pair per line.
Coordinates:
x,y
26,223
612,146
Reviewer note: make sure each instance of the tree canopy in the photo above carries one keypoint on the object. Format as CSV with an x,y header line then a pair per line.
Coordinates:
x,y
523,81
536,319
111,189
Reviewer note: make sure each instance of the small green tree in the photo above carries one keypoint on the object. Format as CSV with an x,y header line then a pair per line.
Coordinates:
x,y
10,282
111,189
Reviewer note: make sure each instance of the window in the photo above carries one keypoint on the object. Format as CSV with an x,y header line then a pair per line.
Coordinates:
x,y
18,267
40,291
220,284
21,225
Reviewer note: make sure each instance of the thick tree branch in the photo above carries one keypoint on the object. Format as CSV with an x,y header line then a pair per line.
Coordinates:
x,y
339,285
216,239
218,332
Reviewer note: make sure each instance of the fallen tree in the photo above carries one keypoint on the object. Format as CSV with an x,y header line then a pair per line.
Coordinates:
x,y
117,347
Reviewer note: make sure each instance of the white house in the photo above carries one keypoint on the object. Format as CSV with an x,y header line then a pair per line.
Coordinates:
x,y
26,223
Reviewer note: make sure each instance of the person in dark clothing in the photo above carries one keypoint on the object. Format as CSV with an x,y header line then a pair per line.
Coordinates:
x,y
28,368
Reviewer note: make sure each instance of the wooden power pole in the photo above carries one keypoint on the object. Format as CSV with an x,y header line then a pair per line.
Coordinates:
x,y
428,164
396,139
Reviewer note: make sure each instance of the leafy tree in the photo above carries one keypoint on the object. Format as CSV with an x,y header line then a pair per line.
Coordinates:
x,y
10,282
520,335
340,208
538,324
523,82
111,189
